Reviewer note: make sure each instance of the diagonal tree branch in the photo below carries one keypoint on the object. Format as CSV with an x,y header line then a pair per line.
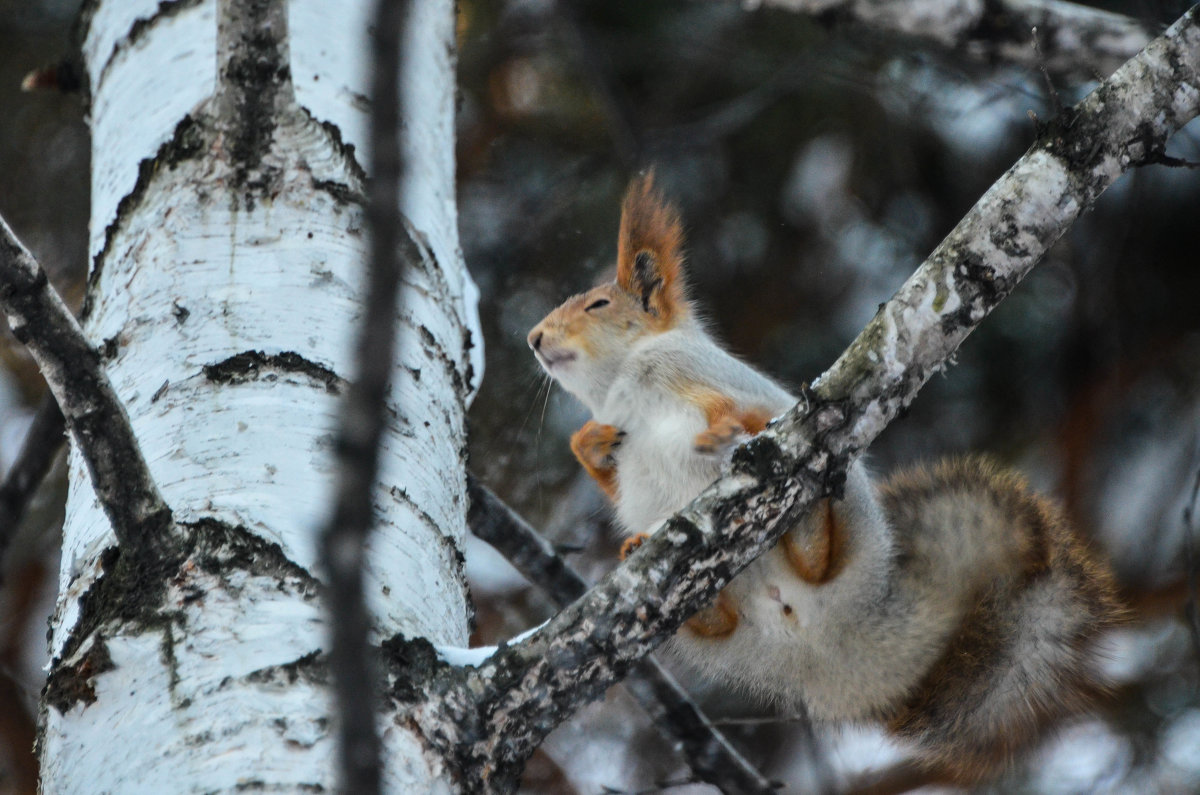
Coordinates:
x,y
708,751
343,540
1077,42
488,719
94,414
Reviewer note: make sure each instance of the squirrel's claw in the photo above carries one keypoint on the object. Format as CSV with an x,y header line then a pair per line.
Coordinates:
x,y
594,444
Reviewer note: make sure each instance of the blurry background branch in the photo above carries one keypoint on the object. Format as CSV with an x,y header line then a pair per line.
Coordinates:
x,y
363,419
1076,42
39,449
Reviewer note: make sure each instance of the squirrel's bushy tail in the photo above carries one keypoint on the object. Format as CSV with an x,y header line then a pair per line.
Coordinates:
x,y
1025,654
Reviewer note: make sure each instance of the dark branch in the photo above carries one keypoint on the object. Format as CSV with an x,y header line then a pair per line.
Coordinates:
x,y
343,542
512,700
42,443
709,753
491,520
95,416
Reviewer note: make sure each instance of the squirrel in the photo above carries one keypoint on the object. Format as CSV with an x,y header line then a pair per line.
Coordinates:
x,y
949,603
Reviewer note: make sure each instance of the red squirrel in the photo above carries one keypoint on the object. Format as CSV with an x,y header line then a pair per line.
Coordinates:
x,y
949,603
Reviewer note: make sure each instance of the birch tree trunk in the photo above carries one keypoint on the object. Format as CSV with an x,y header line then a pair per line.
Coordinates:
x,y
227,258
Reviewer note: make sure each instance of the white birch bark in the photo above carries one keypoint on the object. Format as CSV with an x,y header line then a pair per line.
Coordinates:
x,y
228,254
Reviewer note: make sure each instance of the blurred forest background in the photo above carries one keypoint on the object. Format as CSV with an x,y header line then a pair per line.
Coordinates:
x,y
815,164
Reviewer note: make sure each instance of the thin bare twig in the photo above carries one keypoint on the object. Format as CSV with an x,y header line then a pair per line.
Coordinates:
x,y
493,521
1051,91
343,541
1191,607
38,451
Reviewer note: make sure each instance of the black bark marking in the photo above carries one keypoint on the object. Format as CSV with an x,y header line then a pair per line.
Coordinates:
x,y
254,365
218,547
253,79
187,142
68,685
435,352
132,590
311,667
341,192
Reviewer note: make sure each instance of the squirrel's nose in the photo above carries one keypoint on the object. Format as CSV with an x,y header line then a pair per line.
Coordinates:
x,y
535,339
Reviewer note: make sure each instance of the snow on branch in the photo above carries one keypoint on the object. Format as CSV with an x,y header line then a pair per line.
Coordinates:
x,y
94,414
489,719
1073,41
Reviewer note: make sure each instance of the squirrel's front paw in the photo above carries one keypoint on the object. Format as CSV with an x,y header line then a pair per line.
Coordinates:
x,y
595,444
632,543
719,437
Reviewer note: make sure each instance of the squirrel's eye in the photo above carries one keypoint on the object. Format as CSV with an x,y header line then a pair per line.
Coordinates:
x,y
599,302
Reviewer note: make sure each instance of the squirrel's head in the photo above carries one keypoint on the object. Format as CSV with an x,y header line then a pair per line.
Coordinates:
x,y
583,342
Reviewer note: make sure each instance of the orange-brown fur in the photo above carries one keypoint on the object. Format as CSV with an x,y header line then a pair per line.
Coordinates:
x,y
632,543
593,446
715,621
727,422
817,555
650,228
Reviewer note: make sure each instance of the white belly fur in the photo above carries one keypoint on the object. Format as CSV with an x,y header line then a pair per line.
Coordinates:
x,y
794,642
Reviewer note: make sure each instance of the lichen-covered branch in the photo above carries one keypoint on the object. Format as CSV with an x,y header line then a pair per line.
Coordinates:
x,y
709,754
93,412
489,720
1074,42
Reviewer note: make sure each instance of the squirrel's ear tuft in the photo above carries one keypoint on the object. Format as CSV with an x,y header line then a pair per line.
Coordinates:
x,y
649,256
